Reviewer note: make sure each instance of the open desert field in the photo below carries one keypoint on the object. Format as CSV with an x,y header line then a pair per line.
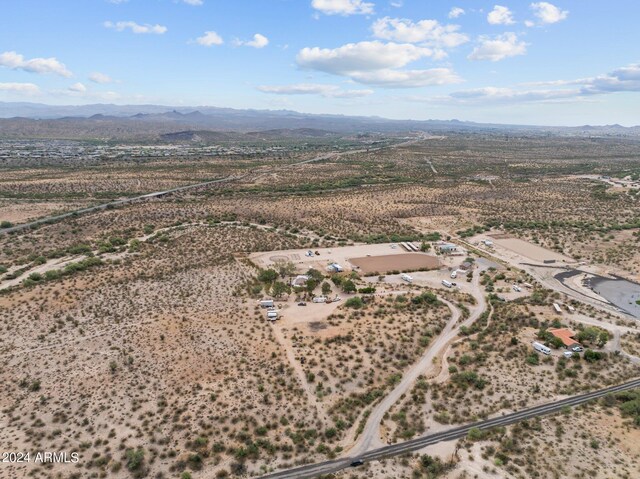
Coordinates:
x,y
153,306
529,250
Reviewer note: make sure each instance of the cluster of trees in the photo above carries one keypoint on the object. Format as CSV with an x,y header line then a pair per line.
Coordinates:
x,y
474,230
628,402
269,279
593,335
35,278
273,281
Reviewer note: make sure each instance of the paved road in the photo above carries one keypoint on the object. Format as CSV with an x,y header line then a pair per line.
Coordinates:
x,y
158,194
112,204
328,467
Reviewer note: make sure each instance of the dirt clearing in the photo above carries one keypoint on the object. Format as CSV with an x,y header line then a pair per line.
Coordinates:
x,y
395,262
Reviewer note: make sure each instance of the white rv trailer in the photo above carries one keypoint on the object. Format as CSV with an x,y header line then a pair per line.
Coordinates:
x,y
446,283
406,277
541,348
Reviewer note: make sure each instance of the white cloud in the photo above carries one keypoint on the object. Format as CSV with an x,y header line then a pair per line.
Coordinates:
x,y
101,78
259,41
117,1
500,16
455,12
498,47
136,27
428,32
328,91
343,7
15,61
210,38
376,63
195,3
624,79
397,3
494,95
363,56
78,88
26,88
407,78
548,13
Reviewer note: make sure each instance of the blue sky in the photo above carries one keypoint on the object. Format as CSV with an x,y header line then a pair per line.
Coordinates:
x,y
567,62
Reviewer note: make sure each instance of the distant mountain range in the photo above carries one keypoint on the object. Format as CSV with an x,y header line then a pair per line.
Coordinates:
x,y
179,124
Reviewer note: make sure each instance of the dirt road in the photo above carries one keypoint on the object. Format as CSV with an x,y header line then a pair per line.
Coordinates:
x,y
370,437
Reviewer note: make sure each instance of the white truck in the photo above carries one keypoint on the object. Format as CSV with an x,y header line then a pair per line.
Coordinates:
x,y
541,348
272,315
446,283
406,277
454,274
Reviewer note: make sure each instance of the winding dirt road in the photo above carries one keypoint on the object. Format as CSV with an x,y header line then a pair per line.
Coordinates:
x,y
370,437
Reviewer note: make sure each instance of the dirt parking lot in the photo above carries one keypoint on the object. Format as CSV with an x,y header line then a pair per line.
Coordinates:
x,y
529,250
395,262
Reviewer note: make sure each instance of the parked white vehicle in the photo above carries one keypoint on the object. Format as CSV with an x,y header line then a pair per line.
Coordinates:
x,y
541,348
454,274
446,283
406,277
517,288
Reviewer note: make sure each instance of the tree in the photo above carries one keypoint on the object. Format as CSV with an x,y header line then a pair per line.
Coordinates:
x,y
603,337
314,274
326,288
588,334
475,434
355,302
424,247
349,286
311,285
267,275
592,356
285,268
556,342
279,288
135,458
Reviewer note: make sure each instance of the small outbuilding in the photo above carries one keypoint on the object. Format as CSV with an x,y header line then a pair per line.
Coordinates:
x,y
466,266
335,268
447,248
300,281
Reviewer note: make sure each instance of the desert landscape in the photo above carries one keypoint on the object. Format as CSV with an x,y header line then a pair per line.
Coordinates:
x,y
137,336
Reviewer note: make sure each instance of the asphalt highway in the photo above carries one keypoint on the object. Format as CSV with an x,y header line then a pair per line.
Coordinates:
x,y
328,467
111,204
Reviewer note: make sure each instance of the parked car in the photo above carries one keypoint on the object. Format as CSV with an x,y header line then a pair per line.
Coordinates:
x,y
302,303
